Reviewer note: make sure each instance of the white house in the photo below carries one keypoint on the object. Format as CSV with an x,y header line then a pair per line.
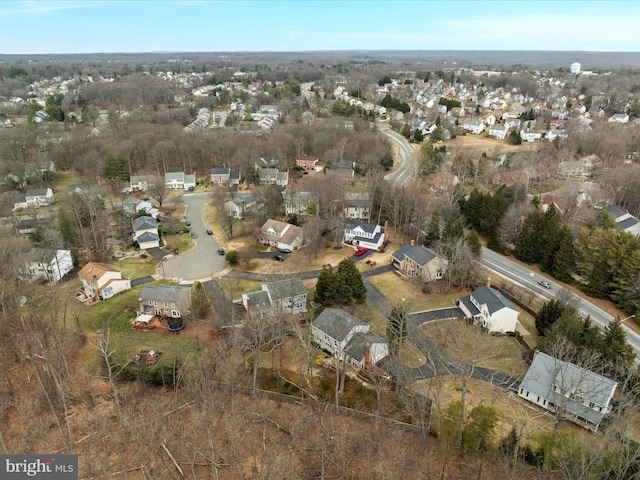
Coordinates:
x,y
474,127
281,235
582,395
624,220
498,131
146,232
174,180
140,183
241,204
367,235
530,135
619,118
33,198
556,133
101,281
348,338
49,265
488,305
272,176
285,296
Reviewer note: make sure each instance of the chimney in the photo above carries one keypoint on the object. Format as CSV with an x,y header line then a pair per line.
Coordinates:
x,y
248,305
413,243
386,231
367,357
141,305
488,281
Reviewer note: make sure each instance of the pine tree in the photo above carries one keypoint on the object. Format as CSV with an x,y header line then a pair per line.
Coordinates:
x,y
326,287
548,315
351,280
616,348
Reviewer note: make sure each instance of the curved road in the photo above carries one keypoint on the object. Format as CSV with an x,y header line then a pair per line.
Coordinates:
x,y
203,261
519,275
409,164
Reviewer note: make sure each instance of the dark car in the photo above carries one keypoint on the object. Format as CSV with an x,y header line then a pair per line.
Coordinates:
x,y
544,284
285,250
209,232
221,251
188,223
194,235
278,258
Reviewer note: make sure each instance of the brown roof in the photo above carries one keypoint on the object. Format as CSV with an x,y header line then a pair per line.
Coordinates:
x,y
95,270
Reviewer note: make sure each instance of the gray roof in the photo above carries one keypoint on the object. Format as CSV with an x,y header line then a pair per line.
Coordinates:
x,y
259,300
235,174
399,254
163,293
615,211
38,192
336,323
357,200
144,223
358,344
367,227
174,176
21,198
190,178
148,237
627,223
421,254
84,188
492,298
220,171
545,371
471,308
42,255
288,288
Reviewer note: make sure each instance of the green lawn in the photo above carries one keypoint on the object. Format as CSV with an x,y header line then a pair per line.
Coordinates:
x,y
235,287
135,267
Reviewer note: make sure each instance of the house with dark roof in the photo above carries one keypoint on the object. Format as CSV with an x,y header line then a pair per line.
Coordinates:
x,y
164,301
243,203
419,261
101,281
281,234
220,175
89,189
356,206
624,220
348,338
48,265
33,198
582,396
30,225
145,232
272,176
367,235
285,296
489,307
174,180
344,170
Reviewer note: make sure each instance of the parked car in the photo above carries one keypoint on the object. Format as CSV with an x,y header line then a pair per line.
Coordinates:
x,y
278,258
361,251
209,232
188,223
544,284
285,250
221,251
194,235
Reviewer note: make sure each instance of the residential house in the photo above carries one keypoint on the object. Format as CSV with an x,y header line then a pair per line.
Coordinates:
x,y
573,169
498,131
242,204
367,235
146,232
556,133
101,281
33,198
88,189
489,119
473,126
285,296
220,175
530,135
164,301
48,265
580,394
174,180
619,118
30,225
560,204
140,183
307,162
281,235
348,339
513,123
344,170
133,206
269,162
272,176
190,182
356,206
296,203
488,306
419,261
624,220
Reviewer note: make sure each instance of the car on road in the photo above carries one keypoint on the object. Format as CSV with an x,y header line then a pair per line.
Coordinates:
x,y
221,251
209,232
285,250
278,258
188,223
360,251
544,284
194,235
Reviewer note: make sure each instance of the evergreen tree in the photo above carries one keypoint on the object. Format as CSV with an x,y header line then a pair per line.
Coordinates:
x,y
564,257
351,280
473,242
67,228
326,287
200,304
405,131
115,168
548,315
616,348
397,329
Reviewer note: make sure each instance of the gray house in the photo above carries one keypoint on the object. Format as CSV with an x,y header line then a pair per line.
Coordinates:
x,y
285,296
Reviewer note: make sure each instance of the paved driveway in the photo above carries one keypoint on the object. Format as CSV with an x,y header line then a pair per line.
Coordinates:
x,y
203,260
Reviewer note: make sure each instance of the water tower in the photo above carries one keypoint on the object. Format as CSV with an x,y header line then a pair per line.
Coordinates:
x,y
575,68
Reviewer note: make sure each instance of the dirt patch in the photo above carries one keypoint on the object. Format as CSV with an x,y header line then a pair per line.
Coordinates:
x,y
472,144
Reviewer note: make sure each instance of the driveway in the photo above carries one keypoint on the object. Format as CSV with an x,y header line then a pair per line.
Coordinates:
x,y
202,261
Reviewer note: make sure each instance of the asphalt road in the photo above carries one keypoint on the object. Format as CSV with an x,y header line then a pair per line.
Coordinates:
x,y
409,161
202,261
524,277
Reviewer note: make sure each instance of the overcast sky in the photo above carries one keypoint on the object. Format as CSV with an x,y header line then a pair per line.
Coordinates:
x,y
89,26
